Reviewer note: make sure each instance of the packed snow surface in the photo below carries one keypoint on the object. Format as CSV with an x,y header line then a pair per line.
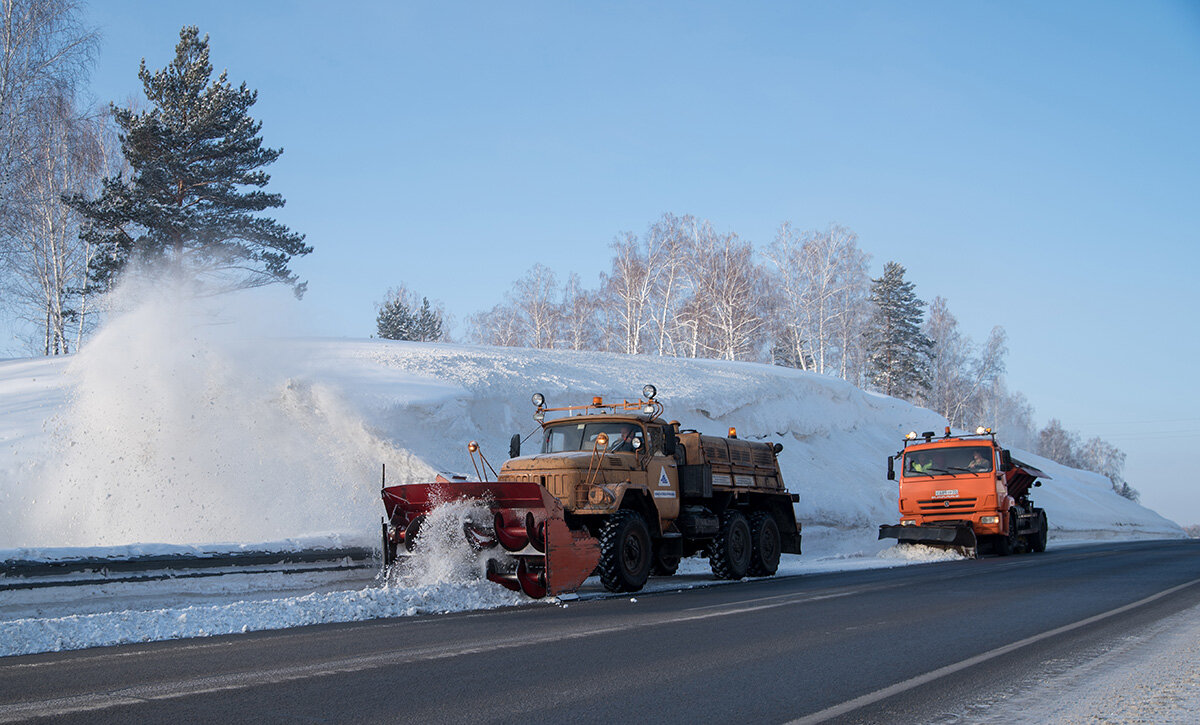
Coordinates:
x,y
182,427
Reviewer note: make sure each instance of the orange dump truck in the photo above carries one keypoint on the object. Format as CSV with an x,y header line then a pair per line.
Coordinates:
x,y
965,492
615,489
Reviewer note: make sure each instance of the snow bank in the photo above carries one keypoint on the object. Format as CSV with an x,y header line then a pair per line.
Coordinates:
x,y
52,634
209,431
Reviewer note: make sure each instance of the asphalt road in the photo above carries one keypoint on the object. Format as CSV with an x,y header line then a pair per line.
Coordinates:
x,y
931,643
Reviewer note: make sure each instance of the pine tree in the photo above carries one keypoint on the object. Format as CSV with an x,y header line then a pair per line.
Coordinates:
x,y
898,350
185,205
428,323
400,318
395,320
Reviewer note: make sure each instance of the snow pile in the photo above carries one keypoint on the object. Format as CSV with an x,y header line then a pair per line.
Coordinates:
x,y
919,553
50,634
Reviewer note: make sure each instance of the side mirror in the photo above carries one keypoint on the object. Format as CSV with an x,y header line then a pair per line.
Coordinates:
x,y
669,440
514,446
1005,460
777,448
891,468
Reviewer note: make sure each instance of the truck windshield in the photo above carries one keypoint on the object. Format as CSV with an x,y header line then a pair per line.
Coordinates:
x,y
948,461
563,437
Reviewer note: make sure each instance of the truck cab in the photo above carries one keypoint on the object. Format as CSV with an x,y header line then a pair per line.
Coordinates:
x,y
960,490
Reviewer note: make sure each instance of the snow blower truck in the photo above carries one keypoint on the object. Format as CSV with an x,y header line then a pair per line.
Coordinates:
x,y
961,491
614,490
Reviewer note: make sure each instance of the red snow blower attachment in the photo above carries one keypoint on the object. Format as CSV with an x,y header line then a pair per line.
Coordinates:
x,y
544,557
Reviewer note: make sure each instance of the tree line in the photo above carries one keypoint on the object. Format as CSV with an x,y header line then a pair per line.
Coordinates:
x,y
806,301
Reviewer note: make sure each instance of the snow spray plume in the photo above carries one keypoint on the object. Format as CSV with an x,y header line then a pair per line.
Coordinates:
x,y
441,554
190,425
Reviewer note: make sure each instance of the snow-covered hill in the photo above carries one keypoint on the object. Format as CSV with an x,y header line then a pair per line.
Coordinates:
x,y
201,433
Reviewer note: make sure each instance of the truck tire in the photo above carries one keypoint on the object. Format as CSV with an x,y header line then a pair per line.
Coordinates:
x,y
625,552
731,550
765,544
665,564
1037,542
1006,545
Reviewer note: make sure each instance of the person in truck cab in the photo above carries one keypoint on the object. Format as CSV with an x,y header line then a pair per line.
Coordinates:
x,y
979,464
631,441
922,464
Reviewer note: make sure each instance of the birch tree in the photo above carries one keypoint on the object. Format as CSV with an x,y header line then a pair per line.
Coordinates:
x,y
580,321
45,261
44,54
730,305
821,288
627,289
47,148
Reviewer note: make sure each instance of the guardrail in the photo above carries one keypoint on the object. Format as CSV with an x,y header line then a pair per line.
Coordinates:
x,y
33,574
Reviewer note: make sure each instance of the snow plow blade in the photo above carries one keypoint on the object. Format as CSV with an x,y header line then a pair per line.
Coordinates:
x,y
545,557
960,537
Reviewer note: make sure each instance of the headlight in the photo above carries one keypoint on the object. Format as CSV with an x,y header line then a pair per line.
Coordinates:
x,y
539,400
989,519
980,430
650,391
648,408
908,522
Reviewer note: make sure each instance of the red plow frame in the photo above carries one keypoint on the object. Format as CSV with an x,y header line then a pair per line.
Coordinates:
x,y
527,522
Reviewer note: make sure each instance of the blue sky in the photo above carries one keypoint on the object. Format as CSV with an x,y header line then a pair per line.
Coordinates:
x,y
1037,164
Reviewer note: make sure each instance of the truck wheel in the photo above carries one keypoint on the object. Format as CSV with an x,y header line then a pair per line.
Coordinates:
x,y
1006,545
665,564
732,547
1038,541
625,552
765,544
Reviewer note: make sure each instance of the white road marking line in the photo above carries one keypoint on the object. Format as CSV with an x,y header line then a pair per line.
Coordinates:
x,y
883,694
240,681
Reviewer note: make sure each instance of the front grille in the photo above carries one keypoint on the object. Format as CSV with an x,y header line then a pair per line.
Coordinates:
x,y
946,505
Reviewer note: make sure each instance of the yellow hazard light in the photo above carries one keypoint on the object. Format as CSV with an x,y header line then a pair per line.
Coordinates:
x,y
947,431
732,432
597,401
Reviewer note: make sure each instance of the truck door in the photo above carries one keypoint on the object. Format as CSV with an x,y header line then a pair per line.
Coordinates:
x,y
662,477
